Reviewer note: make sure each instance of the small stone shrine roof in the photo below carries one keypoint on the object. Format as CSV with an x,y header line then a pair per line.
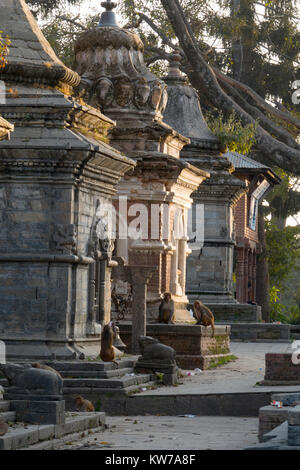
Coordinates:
x,y
244,164
183,111
30,54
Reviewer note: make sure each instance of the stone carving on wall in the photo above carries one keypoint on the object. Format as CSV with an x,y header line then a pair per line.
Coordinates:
x,y
142,93
64,238
105,92
123,92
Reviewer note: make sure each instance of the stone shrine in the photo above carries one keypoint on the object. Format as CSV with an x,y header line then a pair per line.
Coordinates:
x,y
209,267
56,174
116,80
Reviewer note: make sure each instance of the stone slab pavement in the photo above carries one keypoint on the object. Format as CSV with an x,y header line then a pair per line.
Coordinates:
x,y
239,376
170,433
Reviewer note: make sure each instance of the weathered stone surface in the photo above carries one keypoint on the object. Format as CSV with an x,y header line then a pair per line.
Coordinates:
x,y
293,435
157,358
28,382
294,416
57,173
259,331
229,313
115,77
280,368
269,418
39,412
192,343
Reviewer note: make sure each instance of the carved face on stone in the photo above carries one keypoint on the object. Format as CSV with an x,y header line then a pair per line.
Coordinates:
x,y
105,92
142,93
84,88
123,92
164,101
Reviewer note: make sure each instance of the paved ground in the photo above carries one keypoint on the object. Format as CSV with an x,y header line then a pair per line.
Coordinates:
x,y
194,433
238,376
171,433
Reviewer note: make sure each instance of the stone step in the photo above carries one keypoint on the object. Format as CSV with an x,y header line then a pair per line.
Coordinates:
x,y
22,438
96,374
8,416
107,383
4,406
295,335
95,366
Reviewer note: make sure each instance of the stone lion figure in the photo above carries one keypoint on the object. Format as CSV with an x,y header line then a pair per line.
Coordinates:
x,y
28,380
153,351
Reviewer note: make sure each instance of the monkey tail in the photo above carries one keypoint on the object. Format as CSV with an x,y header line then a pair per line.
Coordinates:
x,y
213,328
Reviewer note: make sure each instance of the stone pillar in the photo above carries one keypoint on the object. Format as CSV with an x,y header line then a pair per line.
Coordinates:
x,y
138,277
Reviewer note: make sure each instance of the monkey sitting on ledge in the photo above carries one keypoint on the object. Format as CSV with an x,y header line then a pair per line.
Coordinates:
x,y
166,310
107,353
204,315
83,405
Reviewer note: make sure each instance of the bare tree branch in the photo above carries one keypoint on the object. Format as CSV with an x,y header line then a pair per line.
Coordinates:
x,y
203,78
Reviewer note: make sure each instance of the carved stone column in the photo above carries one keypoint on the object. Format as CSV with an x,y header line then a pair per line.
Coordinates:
x,y
138,277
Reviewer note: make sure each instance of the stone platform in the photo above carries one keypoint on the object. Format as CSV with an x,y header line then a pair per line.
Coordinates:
x,y
258,331
279,428
105,384
194,345
280,370
235,312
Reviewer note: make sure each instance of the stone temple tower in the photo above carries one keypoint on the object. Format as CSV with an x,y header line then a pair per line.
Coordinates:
x,y
56,173
210,265
156,195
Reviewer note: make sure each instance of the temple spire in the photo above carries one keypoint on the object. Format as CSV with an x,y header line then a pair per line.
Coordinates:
x,y
108,17
174,66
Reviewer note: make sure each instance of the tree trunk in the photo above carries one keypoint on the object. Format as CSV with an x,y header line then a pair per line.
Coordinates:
x,y
262,276
204,79
237,46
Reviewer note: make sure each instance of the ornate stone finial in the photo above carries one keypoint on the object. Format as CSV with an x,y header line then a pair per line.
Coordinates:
x,y
108,17
114,75
174,65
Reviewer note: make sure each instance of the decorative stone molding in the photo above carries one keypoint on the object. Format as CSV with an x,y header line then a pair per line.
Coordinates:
x,y
37,63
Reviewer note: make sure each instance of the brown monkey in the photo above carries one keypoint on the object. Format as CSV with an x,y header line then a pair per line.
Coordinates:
x,y
3,427
107,352
83,405
166,310
37,365
204,315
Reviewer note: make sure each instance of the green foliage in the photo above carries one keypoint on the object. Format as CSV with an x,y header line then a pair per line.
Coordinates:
x,y
284,199
282,252
159,377
232,134
281,313
4,43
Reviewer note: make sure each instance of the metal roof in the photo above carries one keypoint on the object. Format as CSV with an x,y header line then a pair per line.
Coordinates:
x,y
241,161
